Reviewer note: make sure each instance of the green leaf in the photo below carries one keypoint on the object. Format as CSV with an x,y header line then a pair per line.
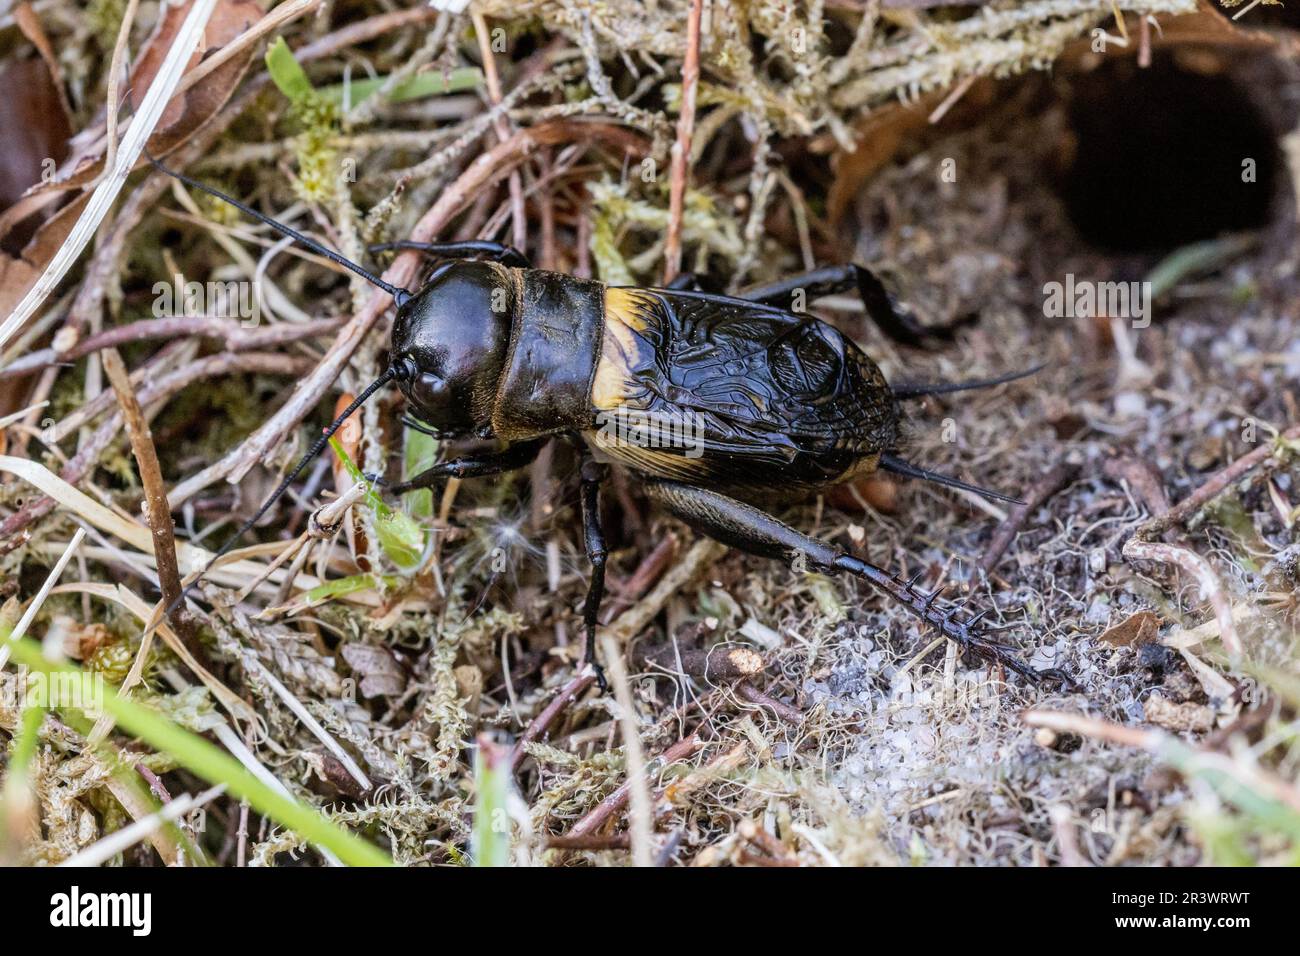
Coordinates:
x,y
286,73
340,587
400,536
419,452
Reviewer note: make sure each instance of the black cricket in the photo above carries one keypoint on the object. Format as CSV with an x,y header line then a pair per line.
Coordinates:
x,y
775,404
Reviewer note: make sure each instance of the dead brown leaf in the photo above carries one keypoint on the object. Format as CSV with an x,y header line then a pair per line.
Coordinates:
x,y
380,671
1133,631
187,110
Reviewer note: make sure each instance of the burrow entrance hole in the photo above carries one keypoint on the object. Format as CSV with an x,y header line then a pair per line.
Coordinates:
x,y
1165,156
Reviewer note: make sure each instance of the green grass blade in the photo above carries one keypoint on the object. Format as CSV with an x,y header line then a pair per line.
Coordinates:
x,y
433,83
491,836
214,765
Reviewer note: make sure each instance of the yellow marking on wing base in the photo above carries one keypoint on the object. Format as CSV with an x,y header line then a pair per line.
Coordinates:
x,y
624,318
625,305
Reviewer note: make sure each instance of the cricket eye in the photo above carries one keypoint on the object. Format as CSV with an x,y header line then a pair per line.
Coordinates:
x,y
426,388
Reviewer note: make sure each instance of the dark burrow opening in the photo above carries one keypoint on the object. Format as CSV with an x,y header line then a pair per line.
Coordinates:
x,y
1165,156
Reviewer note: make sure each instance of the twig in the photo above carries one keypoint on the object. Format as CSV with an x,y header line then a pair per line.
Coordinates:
x,y
1183,757
641,823
1067,838
1199,568
1064,723
617,800
1142,479
1214,487
791,715
502,126
646,573
1052,482
542,722
958,91
114,84
722,663
273,20
703,554
156,511
681,151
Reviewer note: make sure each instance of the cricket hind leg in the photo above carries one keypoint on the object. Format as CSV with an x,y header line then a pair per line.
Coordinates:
x,y
755,531
883,309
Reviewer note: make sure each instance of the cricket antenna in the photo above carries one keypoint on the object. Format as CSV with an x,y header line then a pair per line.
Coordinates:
x,y
917,390
289,479
400,296
900,467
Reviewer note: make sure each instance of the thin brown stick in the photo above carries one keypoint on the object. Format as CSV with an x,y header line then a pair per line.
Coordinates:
x,y
230,331
960,89
502,126
681,151
1214,487
1052,482
721,663
791,715
542,722
1142,478
1067,723
703,554
616,801
156,512
647,573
